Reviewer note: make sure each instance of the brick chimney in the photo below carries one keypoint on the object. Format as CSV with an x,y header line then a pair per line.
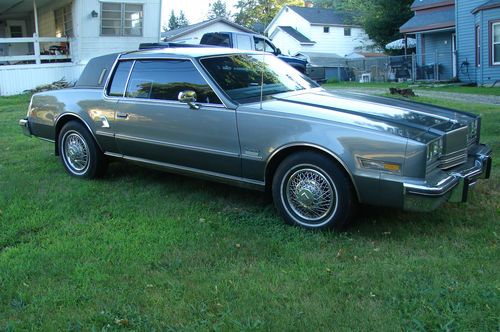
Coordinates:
x,y
308,4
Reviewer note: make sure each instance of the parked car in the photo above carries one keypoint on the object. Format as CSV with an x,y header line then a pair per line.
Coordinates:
x,y
242,117
252,42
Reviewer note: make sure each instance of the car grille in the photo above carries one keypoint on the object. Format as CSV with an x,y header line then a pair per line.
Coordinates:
x,y
453,159
455,148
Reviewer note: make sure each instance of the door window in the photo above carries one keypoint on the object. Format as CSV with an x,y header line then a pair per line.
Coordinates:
x,y
263,45
164,79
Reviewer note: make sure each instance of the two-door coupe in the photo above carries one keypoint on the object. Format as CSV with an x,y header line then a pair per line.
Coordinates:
x,y
249,119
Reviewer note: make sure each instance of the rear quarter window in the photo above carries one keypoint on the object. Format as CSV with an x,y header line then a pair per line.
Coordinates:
x,y
119,79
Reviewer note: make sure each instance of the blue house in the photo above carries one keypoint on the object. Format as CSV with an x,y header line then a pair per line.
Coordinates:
x,y
457,39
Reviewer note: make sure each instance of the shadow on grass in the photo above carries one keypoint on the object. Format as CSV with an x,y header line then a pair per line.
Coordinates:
x,y
369,221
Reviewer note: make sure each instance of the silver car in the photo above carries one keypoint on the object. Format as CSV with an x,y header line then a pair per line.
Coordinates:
x,y
249,119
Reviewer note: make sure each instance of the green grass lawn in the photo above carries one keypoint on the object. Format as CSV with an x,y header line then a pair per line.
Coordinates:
x,y
145,250
426,87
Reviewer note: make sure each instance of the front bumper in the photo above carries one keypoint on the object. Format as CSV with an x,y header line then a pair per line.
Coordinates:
x,y
25,126
453,186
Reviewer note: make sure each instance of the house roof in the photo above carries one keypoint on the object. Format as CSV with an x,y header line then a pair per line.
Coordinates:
x,y
296,35
423,4
322,16
430,20
172,34
487,5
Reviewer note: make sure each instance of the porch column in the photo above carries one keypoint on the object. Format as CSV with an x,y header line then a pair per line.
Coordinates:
x,y
36,43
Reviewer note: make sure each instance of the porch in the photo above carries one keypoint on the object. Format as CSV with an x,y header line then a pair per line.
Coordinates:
x,y
36,38
35,31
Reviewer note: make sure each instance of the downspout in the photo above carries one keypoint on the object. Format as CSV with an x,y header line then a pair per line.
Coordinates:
x,y
481,77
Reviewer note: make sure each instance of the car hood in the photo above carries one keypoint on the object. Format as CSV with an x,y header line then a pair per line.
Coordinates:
x,y
407,119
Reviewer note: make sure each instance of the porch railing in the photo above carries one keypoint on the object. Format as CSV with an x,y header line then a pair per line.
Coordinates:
x,y
38,53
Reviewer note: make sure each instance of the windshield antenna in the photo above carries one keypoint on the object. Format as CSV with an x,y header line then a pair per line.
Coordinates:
x,y
262,79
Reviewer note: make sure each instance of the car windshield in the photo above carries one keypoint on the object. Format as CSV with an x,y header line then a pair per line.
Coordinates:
x,y
240,76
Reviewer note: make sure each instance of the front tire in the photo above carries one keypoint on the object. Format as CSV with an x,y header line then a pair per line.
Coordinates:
x,y
80,154
312,191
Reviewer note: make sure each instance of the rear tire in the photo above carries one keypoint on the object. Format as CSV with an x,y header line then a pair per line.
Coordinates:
x,y
80,154
312,191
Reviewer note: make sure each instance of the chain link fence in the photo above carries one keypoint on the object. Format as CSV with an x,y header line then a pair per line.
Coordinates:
x,y
433,67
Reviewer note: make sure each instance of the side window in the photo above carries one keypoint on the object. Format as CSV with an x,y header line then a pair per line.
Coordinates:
x,y
164,79
260,44
119,79
269,47
244,42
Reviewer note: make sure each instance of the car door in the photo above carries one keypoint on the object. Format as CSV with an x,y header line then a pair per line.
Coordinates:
x,y
153,126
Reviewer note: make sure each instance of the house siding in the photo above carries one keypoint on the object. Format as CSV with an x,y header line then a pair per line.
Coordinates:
x,y
88,41
466,35
331,42
466,39
488,73
287,44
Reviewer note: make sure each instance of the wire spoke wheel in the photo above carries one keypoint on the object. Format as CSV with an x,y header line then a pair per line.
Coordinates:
x,y
76,152
310,194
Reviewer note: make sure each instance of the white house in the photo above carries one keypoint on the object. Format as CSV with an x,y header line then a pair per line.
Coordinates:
x,y
192,34
316,30
42,41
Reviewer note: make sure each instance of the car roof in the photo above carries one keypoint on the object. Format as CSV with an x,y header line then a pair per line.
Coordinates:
x,y
184,52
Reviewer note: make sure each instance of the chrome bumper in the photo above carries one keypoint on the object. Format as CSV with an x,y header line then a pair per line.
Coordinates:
x,y
453,187
25,125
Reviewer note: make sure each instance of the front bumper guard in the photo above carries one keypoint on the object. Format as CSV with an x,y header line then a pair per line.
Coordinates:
x,y
452,188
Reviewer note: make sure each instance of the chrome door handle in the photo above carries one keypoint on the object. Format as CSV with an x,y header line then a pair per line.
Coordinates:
x,y
122,115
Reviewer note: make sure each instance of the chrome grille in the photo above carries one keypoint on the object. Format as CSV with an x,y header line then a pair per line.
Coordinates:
x,y
453,159
455,148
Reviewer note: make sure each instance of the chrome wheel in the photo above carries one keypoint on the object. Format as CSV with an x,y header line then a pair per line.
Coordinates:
x,y
310,194
76,152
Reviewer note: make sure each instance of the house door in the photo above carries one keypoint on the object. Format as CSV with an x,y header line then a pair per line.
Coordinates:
x,y
454,53
17,29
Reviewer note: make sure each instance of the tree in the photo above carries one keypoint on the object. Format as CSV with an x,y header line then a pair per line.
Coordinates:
x,y
253,13
172,21
182,20
218,8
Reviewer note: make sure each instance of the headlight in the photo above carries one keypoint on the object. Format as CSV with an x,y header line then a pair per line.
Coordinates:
x,y
434,150
473,131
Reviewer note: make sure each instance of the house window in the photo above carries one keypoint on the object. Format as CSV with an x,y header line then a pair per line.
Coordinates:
x,y
121,19
64,21
478,46
347,32
326,29
495,43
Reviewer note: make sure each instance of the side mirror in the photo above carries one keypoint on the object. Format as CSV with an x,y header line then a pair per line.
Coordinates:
x,y
188,97
278,51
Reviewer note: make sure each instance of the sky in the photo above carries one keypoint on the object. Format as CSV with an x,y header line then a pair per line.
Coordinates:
x,y
195,10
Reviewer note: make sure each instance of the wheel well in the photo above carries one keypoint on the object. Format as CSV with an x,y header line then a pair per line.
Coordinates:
x,y
60,123
281,155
